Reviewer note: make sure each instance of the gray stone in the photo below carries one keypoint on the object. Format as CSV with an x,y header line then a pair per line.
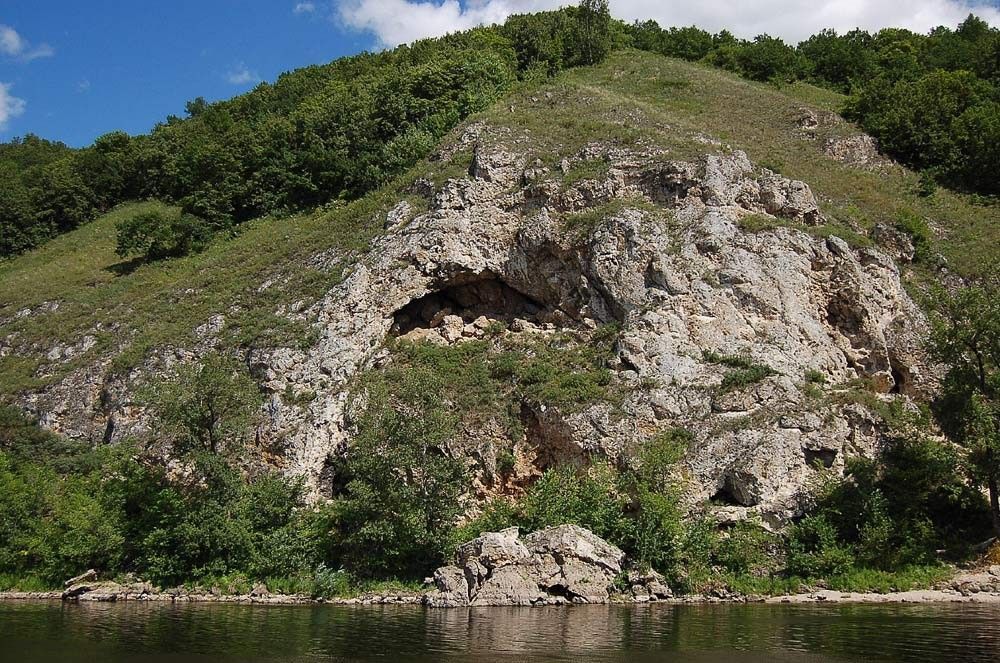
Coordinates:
x,y
565,563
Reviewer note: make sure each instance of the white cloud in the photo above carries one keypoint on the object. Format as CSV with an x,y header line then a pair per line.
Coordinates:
x,y
304,8
400,21
14,45
41,51
241,75
10,42
10,106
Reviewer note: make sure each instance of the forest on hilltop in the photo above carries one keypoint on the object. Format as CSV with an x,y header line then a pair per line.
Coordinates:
x,y
337,131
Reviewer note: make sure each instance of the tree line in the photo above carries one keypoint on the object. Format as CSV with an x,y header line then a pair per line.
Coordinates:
x,y
932,100
337,131
316,135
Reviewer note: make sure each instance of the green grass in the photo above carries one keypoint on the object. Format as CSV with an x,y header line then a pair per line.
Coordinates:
x,y
17,583
594,169
133,308
743,370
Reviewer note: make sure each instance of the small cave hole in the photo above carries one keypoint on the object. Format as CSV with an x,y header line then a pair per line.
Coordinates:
x,y
897,382
901,379
841,316
737,489
724,496
483,295
826,457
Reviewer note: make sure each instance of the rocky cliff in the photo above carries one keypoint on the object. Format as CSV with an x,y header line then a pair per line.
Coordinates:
x,y
739,320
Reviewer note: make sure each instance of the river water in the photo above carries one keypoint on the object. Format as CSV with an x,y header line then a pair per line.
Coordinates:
x,y
115,633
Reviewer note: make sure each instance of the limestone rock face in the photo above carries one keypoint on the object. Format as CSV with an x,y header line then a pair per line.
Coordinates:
x,y
674,265
555,565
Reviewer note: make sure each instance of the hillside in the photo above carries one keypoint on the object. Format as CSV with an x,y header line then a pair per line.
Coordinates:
x,y
129,308
647,255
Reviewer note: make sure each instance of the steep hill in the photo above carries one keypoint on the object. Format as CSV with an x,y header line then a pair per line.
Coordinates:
x,y
659,244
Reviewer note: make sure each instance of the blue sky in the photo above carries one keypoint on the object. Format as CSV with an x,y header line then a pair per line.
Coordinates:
x,y
125,64
73,70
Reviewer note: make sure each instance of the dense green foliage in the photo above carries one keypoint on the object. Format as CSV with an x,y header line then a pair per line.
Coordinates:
x,y
932,101
338,131
66,508
402,492
888,515
160,233
315,135
966,336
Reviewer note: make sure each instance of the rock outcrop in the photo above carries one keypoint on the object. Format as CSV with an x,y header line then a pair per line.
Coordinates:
x,y
564,564
671,259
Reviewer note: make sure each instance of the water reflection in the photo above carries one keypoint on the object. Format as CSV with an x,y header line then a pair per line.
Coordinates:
x,y
36,632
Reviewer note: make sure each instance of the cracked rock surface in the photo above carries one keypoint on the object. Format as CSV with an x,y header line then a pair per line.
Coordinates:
x,y
555,565
671,259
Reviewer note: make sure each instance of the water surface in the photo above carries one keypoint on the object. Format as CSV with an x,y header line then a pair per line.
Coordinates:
x,y
117,633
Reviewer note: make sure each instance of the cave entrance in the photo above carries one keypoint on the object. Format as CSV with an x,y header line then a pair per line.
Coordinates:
x,y
738,488
482,295
824,457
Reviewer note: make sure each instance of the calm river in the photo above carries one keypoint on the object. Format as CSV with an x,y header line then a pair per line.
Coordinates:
x,y
35,632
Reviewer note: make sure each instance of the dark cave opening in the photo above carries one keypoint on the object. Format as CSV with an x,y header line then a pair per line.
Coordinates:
x,y
725,496
825,457
482,295
897,381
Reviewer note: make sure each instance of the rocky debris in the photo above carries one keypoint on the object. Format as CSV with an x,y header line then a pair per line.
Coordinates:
x,y
674,271
648,586
894,242
986,581
398,215
564,564
87,576
67,352
809,120
860,151
107,591
911,596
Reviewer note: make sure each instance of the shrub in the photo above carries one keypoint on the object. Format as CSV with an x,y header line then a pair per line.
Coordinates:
x,y
328,583
814,549
160,233
207,406
402,496
749,550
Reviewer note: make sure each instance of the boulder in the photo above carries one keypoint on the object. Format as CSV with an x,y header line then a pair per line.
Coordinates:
x,y
555,565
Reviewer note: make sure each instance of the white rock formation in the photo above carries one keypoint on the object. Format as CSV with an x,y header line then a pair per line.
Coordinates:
x,y
671,265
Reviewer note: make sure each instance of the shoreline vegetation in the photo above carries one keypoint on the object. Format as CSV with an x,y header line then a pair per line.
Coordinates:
x,y
979,586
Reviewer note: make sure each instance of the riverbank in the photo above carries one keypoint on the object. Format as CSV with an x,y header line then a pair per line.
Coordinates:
x,y
981,587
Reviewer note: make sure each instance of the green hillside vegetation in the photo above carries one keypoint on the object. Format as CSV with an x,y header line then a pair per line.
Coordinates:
x,y
145,275
318,134
338,131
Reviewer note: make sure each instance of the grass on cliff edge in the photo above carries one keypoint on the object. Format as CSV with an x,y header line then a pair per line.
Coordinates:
x,y
634,99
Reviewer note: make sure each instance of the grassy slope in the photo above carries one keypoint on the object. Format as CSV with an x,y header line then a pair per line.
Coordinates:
x,y
634,98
